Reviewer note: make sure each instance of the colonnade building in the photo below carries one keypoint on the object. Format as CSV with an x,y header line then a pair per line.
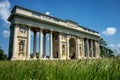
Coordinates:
x,y
67,39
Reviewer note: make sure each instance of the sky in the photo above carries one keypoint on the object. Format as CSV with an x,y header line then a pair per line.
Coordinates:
x,y
102,16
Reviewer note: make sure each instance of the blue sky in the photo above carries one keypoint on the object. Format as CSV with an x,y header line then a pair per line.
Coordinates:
x,y
100,15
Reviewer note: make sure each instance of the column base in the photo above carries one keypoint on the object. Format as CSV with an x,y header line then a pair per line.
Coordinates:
x,y
51,58
34,58
13,58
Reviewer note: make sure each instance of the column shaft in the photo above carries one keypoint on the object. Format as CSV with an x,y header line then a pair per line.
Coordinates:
x,y
34,46
59,54
67,47
44,48
51,45
29,36
91,48
94,49
40,43
99,49
88,48
78,50
83,49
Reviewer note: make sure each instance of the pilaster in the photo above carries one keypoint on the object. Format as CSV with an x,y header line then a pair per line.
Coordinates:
x,y
14,42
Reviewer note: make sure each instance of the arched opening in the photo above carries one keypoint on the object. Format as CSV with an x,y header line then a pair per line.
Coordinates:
x,y
72,48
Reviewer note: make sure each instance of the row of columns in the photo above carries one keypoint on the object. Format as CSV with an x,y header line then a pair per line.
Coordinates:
x,y
41,47
88,53
89,48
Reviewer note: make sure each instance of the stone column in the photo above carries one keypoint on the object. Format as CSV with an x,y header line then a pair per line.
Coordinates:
x,y
88,48
91,43
67,48
78,50
59,53
14,42
97,49
40,43
51,45
34,46
94,49
28,43
83,49
44,48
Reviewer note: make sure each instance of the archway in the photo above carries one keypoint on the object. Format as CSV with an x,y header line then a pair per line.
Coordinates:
x,y
72,48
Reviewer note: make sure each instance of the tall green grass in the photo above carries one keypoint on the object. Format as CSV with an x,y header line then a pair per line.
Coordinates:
x,y
97,69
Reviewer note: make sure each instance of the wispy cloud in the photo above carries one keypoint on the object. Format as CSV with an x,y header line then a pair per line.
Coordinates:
x,y
4,11
110,31
112,45
6,33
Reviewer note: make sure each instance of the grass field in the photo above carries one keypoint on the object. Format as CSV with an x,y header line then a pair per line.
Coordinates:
x,y
97,69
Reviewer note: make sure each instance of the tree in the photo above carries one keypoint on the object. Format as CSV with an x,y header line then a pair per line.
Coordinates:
x,y
2,55
37,55
105,51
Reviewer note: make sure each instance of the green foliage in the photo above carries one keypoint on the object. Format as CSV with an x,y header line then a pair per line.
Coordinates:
x,y
105,51
37,55
99,69
2,55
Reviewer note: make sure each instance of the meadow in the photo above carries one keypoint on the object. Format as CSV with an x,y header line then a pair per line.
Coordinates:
x,y
96,69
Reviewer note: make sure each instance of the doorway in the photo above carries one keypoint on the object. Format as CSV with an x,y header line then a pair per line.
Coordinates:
x,y
72,48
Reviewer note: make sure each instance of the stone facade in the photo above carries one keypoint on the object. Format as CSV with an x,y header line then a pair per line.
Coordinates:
x,y
67,40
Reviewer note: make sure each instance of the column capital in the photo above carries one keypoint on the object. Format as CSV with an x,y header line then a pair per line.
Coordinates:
x,y
51,30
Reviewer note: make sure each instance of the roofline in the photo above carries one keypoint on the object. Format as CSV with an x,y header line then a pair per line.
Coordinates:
x,y
16,6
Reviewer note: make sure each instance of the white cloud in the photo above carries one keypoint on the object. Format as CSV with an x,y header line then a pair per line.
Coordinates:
x,y
118,45
112,45
4,11
47,13
6,33
110,31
